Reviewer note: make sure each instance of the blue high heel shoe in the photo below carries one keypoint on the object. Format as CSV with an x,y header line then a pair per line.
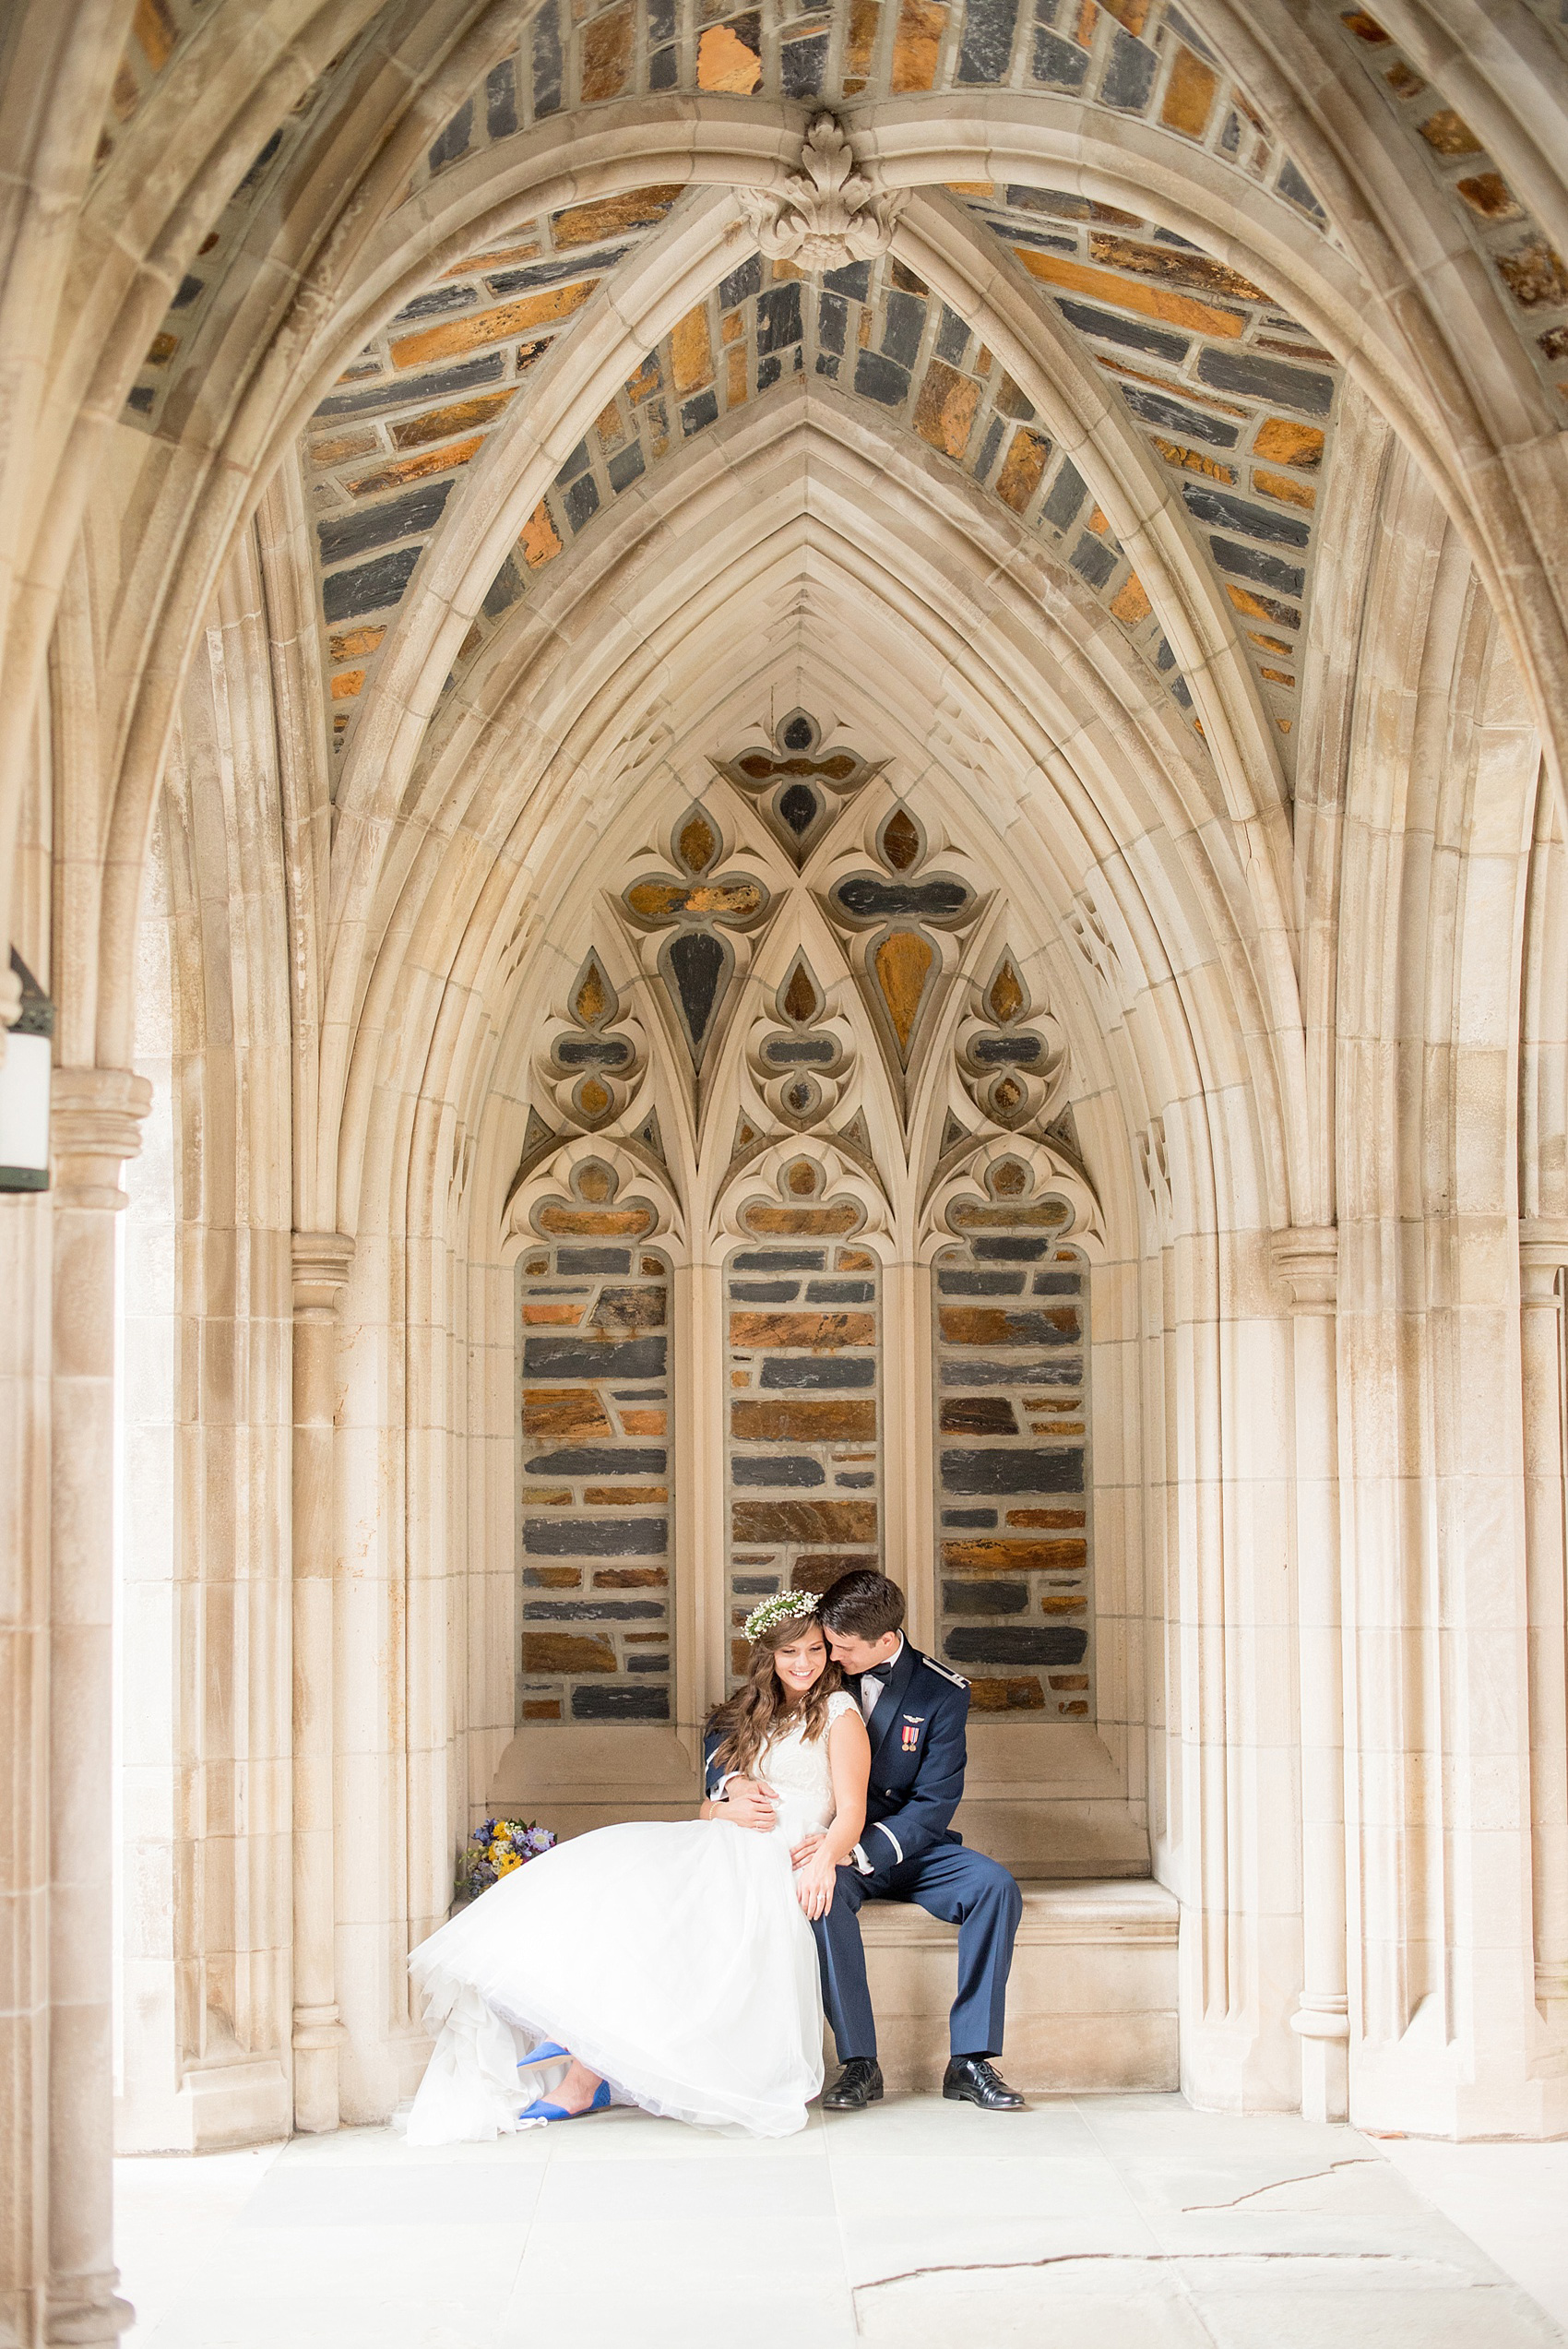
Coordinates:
x,y
542,2110
549,2051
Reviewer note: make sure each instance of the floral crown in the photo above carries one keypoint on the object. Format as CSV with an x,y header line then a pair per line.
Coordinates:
x,y
778,1610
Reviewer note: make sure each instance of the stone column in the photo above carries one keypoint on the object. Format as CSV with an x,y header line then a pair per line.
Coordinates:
x,y
1543,1254
1306,1260
321,1269
96,1119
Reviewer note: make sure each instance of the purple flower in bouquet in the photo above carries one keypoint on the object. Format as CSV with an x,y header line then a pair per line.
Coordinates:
x,y
496,1847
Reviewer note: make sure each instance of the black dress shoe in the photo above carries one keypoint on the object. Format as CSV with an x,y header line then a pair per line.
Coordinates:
x,y
858,2086
974,2079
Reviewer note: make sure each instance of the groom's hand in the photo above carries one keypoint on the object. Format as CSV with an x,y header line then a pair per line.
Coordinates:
x,y
804,1850
751,1802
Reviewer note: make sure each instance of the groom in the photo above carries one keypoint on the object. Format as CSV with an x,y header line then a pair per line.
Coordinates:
x,y
914,1710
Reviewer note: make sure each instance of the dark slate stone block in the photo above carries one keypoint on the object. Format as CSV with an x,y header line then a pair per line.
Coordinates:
x,y
1230,136
1013,1643
740,285
436,304
755,1586
779,316
620,1704
262,160
855,1484
988,448
577,463
664,69
626,466
1250,562
1110,326
593,1610
902,328
1270,379
791,1468
778,1260
342,535
985,1598
1014,1469
141,397
1178,692
444,384
582,501
987,49
1206,504
877,379
660,23
801,65
1068,492
1040,240
768,371
978,1415
595,1261
370,585
840,1292
855,280
1164,660
1028,1373
503,590
832,320
1295,190
814,1370
765,1292
971,1520
185,292
536,273
649,1664
981,1284
639,1395
1171,416
569,1356
1093,559
866,896
1129,76
1007,1249
951,337
595,1461
501,99
456,139
698,413
563,1536
1055,1284
547,59
1061,63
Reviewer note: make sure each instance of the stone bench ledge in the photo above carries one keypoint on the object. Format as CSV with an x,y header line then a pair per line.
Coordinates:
x,y
1111,1910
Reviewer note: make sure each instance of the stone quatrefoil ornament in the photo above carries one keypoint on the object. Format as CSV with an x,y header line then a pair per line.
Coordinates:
x,y
831,216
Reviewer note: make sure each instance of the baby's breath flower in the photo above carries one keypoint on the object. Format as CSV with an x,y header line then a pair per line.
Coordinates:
x,y
776,1609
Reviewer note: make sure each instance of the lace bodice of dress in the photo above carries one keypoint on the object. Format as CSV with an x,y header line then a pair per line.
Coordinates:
x,y
799,1773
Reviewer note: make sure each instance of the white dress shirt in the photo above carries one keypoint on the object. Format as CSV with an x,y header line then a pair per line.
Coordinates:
x,y
871,1686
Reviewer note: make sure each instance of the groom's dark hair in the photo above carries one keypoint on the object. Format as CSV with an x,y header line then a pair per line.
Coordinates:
x,y
862,1605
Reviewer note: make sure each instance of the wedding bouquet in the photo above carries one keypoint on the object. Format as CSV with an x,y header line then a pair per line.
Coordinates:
x,y
496,1848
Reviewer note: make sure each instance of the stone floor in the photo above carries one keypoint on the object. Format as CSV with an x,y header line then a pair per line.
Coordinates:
x,y
1111,2223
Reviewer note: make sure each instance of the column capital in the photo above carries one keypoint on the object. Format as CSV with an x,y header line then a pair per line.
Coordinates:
x,y
1305,1259
321,1262
1543,1250
95,1125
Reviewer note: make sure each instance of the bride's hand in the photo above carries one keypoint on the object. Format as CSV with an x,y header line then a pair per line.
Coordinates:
x,y
813,1886
750,1802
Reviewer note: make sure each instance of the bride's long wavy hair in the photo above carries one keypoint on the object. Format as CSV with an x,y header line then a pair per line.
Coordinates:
x,y
760,1709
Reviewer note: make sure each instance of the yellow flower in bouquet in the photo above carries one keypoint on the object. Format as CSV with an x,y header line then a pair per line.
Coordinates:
x,y
503,1861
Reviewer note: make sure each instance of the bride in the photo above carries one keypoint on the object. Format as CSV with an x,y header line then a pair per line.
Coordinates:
x,y
671,1966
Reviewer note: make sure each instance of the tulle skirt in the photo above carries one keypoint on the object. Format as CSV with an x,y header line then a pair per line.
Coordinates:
x,y
673,1959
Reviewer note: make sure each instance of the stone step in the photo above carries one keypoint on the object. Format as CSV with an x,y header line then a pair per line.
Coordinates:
x,y
1091,1999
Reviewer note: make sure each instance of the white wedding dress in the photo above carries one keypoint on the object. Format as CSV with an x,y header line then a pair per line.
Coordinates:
x,y
673,1960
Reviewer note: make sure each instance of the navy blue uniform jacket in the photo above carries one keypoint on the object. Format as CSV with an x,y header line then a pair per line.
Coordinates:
x,y
917,1761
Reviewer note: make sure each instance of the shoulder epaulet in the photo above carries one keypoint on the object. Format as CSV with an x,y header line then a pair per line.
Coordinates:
x,y
957,1677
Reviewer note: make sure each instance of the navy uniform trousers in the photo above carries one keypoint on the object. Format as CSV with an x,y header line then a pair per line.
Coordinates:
x,y
951,1882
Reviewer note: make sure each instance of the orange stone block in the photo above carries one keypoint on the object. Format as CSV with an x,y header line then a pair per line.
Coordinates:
x,y
338,448
1131,14
735,382
540,540
779,1223
1192,460
625,1495
1535,274
610,216
1006,1696
823,1332
643,1421
575,1413
1263,607
1489,194
463,415
998,1555
607,55
455,336
156,32
809,1521
859,42
1144,301
916,45
542,1709
403,470
1290,443
354,644
1049,1516
1189,95
1022,469
597,1223
347,684
945,409
1061,1603
1447,133
566,1315
496,257
1130,603
555,1577
901,965
631,1578
1171,266
803,1422
565,1651
691,351
724,62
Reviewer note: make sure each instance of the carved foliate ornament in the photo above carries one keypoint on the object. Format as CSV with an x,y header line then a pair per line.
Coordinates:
x,y
800,1058
594,1062
1013,1065
829,214
797,787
